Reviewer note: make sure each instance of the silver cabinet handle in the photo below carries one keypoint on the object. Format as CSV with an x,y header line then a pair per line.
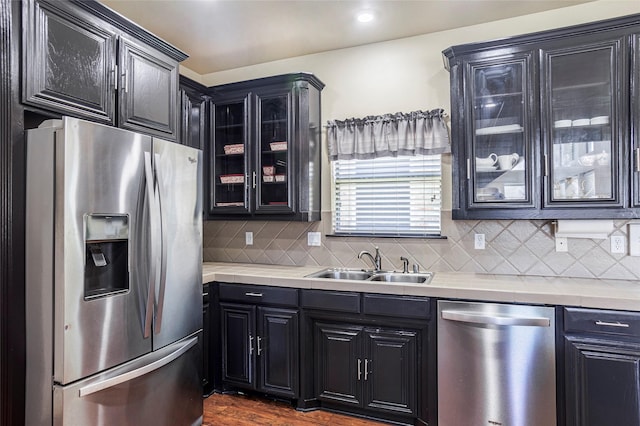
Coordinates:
x,y
546,165
125,75
359,370
637,159
258,344
130,375
253,294
250,345
612,324
366,369
477,318
114,71
254,179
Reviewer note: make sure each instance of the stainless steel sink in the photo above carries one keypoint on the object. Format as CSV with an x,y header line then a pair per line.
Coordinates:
x,y
399,277
342,274
364,275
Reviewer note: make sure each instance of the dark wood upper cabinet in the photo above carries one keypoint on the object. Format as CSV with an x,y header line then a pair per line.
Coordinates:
x,y
82,59
544,125
69,61
148,96
194,119
264,149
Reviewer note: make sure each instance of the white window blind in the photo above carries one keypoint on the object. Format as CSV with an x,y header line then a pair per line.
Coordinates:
x,y
387,196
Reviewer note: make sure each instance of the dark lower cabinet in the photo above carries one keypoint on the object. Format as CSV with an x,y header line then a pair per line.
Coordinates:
x,y
390,371
338,363
602,367
207,381
260,348
365,367
603,383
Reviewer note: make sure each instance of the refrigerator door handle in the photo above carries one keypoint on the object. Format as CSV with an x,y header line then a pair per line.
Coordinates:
x,y
153,235
163,257
133,374
478,318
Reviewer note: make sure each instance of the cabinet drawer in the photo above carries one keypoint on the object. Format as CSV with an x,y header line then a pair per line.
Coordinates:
x,y
331,300
597,321
396,306
258,294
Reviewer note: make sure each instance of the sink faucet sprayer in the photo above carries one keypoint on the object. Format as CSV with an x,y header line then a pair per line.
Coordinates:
x,y
405,265
377,260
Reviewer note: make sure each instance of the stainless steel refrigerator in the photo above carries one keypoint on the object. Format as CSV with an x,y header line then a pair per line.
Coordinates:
x,y
113,277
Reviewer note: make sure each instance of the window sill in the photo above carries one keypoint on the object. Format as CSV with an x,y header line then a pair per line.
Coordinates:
x,y
422,236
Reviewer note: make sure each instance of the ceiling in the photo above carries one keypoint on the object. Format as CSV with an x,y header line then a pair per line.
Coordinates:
x,y
226,34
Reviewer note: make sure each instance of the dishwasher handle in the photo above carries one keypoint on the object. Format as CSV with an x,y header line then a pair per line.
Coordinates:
x,y
478,318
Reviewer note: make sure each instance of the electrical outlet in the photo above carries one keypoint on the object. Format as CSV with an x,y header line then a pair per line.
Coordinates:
x,y
478,241
617,244
562,244
248,238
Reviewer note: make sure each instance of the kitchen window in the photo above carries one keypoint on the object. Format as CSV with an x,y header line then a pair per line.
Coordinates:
x,y
387,173
387,196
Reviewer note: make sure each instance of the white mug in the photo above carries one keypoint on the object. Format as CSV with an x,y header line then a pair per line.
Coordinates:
x,y
506,162
487,161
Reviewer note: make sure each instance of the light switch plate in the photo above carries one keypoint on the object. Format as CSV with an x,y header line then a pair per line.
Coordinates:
x,y
562,244
478,241
313,239
248,238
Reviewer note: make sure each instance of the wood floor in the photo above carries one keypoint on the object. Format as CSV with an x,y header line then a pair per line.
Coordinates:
x,y
242,410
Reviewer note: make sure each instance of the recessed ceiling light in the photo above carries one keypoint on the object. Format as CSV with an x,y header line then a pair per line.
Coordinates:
x,y
365,16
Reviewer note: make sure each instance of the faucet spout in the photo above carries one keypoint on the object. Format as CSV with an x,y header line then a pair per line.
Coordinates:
x,y
376,261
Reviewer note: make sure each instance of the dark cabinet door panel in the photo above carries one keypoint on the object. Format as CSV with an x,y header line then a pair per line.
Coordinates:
x,y
338,363
391,371
238,335
603,383
149,91
69,62
277,351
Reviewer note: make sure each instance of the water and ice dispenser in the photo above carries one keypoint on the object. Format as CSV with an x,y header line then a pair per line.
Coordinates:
x,y
106,269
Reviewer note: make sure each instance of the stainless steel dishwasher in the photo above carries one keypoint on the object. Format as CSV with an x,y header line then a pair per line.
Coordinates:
x,y
496,364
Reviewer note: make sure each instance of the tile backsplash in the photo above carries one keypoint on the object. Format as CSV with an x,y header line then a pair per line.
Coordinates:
x,y
521,247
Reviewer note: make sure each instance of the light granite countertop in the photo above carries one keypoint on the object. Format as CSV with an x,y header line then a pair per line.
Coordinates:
x,y
593,293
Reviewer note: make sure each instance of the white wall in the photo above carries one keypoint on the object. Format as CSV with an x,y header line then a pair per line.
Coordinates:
x,y
406,74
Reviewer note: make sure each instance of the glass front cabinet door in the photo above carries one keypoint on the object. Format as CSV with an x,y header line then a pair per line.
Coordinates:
x,y
500,149
581,102
272,176
231,158
265,149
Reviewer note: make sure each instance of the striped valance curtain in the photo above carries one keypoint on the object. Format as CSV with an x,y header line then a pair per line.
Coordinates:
x,y
388,135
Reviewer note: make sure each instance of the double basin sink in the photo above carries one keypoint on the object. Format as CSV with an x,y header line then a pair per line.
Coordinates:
x,y
376,276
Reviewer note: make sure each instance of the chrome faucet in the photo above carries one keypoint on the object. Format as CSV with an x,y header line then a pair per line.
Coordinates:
x,y
377,260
